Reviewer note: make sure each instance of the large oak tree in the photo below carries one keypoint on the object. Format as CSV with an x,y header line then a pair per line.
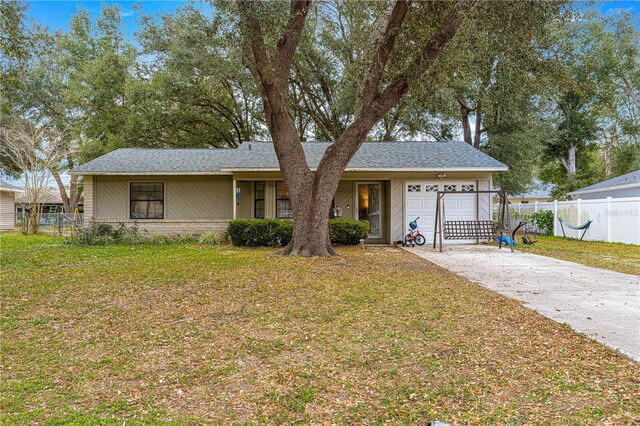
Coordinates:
x,y
405,42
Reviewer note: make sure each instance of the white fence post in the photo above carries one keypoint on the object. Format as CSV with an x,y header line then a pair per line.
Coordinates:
x,y
555,217
535,207
608,219
579,215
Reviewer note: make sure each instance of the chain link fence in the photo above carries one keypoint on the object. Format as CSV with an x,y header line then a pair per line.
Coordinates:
x,y
55,223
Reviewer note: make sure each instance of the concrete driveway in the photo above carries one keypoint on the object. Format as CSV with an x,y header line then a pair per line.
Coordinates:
x,y
604,305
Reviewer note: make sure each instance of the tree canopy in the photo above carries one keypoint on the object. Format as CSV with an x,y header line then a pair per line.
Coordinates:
x,y
551,91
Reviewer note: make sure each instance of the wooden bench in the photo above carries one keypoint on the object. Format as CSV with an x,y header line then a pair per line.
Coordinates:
x,y
468,230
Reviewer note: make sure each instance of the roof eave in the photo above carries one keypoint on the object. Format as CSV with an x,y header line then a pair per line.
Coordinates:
x,y
606,188
367,169
147,173
230,171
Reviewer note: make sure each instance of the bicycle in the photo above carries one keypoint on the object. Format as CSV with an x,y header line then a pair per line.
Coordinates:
x,y
414,236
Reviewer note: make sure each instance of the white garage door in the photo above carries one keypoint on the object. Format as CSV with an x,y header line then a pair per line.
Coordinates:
x,y
420,199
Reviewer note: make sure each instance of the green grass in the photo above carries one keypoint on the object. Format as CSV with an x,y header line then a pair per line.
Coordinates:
x,y
614,256
193,334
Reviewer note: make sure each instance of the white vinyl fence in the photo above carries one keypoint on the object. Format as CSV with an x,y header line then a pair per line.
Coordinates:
x,y
614,219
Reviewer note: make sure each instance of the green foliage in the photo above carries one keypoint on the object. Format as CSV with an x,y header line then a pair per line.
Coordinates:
x,y
197,84
543,220
259,232
209,238
347,231
99,234
185,239
277,232
626,158
96,234
160,239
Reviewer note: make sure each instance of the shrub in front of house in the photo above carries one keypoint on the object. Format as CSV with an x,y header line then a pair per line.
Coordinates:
x,y
96,234
277,232
99,234
347,232
209,238
259,232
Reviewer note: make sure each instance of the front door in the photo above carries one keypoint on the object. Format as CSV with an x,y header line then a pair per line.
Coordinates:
x,y
369,206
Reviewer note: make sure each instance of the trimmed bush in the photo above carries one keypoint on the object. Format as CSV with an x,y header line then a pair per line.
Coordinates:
x,y
347,232
277,232
259,232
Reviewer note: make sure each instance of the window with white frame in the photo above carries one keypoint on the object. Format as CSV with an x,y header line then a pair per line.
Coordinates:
x,y
413,188
449,187
431,188
468,187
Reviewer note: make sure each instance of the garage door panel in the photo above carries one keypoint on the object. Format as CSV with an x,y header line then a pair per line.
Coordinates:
x,y
420,202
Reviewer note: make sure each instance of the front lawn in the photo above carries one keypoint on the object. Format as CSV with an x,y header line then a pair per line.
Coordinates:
x,y
194,334
614,256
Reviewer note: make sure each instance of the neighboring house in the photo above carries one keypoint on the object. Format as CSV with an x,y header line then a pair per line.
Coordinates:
x,y
50,201
7,205
624,186
541,192
198,190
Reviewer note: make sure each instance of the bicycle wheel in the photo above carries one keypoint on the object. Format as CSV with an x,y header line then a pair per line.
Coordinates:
x,y
407,240
420,240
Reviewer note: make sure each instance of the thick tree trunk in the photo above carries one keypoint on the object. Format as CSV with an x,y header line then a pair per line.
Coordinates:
x,y
608,147
478,129
466,126
63,191
71,198
569,163
311,226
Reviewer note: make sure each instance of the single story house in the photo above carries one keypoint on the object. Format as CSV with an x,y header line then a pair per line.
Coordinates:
x,y
624,186
7,205
540,192
198,190
50,203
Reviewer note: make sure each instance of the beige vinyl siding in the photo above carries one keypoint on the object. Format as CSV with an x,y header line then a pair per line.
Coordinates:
x,y
190,197
186,197
192,204
397,210
88,194
484,200
7,210
344,198
245,206
112,195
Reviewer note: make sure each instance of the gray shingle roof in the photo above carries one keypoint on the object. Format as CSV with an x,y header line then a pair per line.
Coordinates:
x,y
629,178
6,186
260,156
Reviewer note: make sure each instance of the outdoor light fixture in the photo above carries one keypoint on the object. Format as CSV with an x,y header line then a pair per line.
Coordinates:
x,y
442,176
337,212
237,192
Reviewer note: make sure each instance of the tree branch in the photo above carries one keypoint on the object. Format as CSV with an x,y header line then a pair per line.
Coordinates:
x,y
379,50
340,153
288,42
